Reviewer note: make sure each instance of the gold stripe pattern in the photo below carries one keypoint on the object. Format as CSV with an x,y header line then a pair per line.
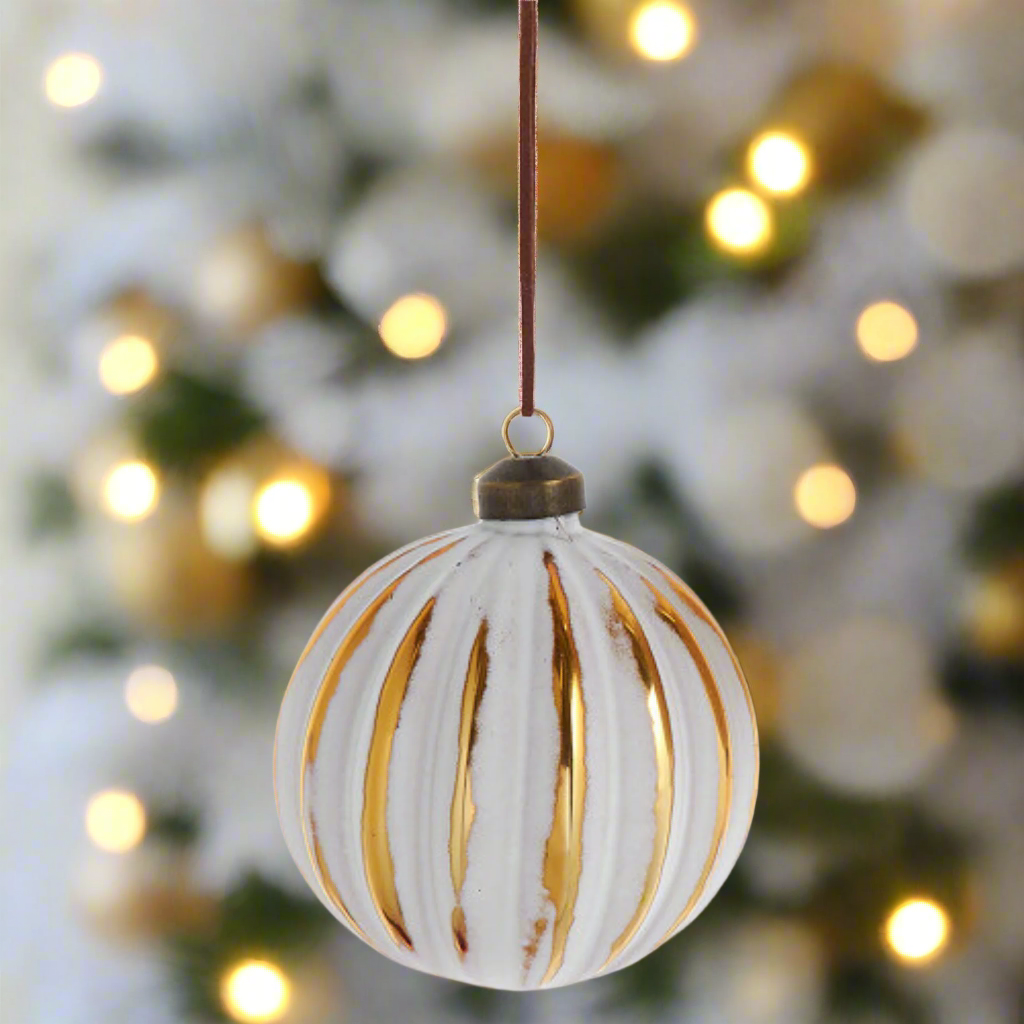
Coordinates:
x,y
667,613
377,862
358,585
694,603
664,754
331,615
343,654
463,809
563,854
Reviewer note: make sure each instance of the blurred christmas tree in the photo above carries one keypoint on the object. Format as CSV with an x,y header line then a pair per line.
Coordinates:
x,y
269,281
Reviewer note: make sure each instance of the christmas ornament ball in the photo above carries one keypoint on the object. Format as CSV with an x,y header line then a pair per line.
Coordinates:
x,y
520,753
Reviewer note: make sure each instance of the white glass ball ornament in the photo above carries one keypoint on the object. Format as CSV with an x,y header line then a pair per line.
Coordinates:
x,y
517,754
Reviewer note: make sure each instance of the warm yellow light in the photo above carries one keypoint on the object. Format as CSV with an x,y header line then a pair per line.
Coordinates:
x,y
886,331
115,820
825,496
739,222
283,511
130,491
779,163
127,364
255,991
73,79
662,30
151,693
414,326
917,929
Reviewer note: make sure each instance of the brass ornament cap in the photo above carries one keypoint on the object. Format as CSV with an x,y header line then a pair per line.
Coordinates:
x,y
528,488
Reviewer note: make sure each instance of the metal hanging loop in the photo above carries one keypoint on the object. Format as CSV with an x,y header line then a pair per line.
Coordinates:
x,y
512,449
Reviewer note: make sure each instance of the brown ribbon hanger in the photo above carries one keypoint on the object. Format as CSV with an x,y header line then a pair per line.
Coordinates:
x,y
527,202
527,231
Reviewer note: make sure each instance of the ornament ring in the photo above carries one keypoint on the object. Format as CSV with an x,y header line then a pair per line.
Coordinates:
x,y
543,449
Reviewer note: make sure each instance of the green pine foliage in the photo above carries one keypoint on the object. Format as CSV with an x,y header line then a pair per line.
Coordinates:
x,y
184,422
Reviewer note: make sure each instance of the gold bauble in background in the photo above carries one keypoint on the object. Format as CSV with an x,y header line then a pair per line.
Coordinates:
x,y
242,282
760,661
146,894
165,577
844,116
869,33
579,181
262,495
993,611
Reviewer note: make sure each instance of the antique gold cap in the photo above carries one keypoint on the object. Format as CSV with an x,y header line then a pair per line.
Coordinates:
x,y
530,487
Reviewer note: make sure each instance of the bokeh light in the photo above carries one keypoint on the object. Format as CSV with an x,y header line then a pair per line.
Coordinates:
x,y
825,496
917,930
414,326
739,222
130,491
283,511
255,991
115,820
886,331
151,693
662,30
73,79
128,364
779,163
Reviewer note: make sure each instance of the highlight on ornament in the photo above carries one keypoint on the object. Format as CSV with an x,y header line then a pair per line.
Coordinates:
x,y
115,820
127,364
255,991
740,222
414,326
825,496
130,491
779,163
284,511
151,693
917,930
662,30
886,331
73,79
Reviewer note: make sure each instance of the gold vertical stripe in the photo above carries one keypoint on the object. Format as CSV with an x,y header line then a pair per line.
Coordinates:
x,y
347,648
359,584
563,854
358,632
463,809
667,613
664,754
694,603
377,862
331,615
